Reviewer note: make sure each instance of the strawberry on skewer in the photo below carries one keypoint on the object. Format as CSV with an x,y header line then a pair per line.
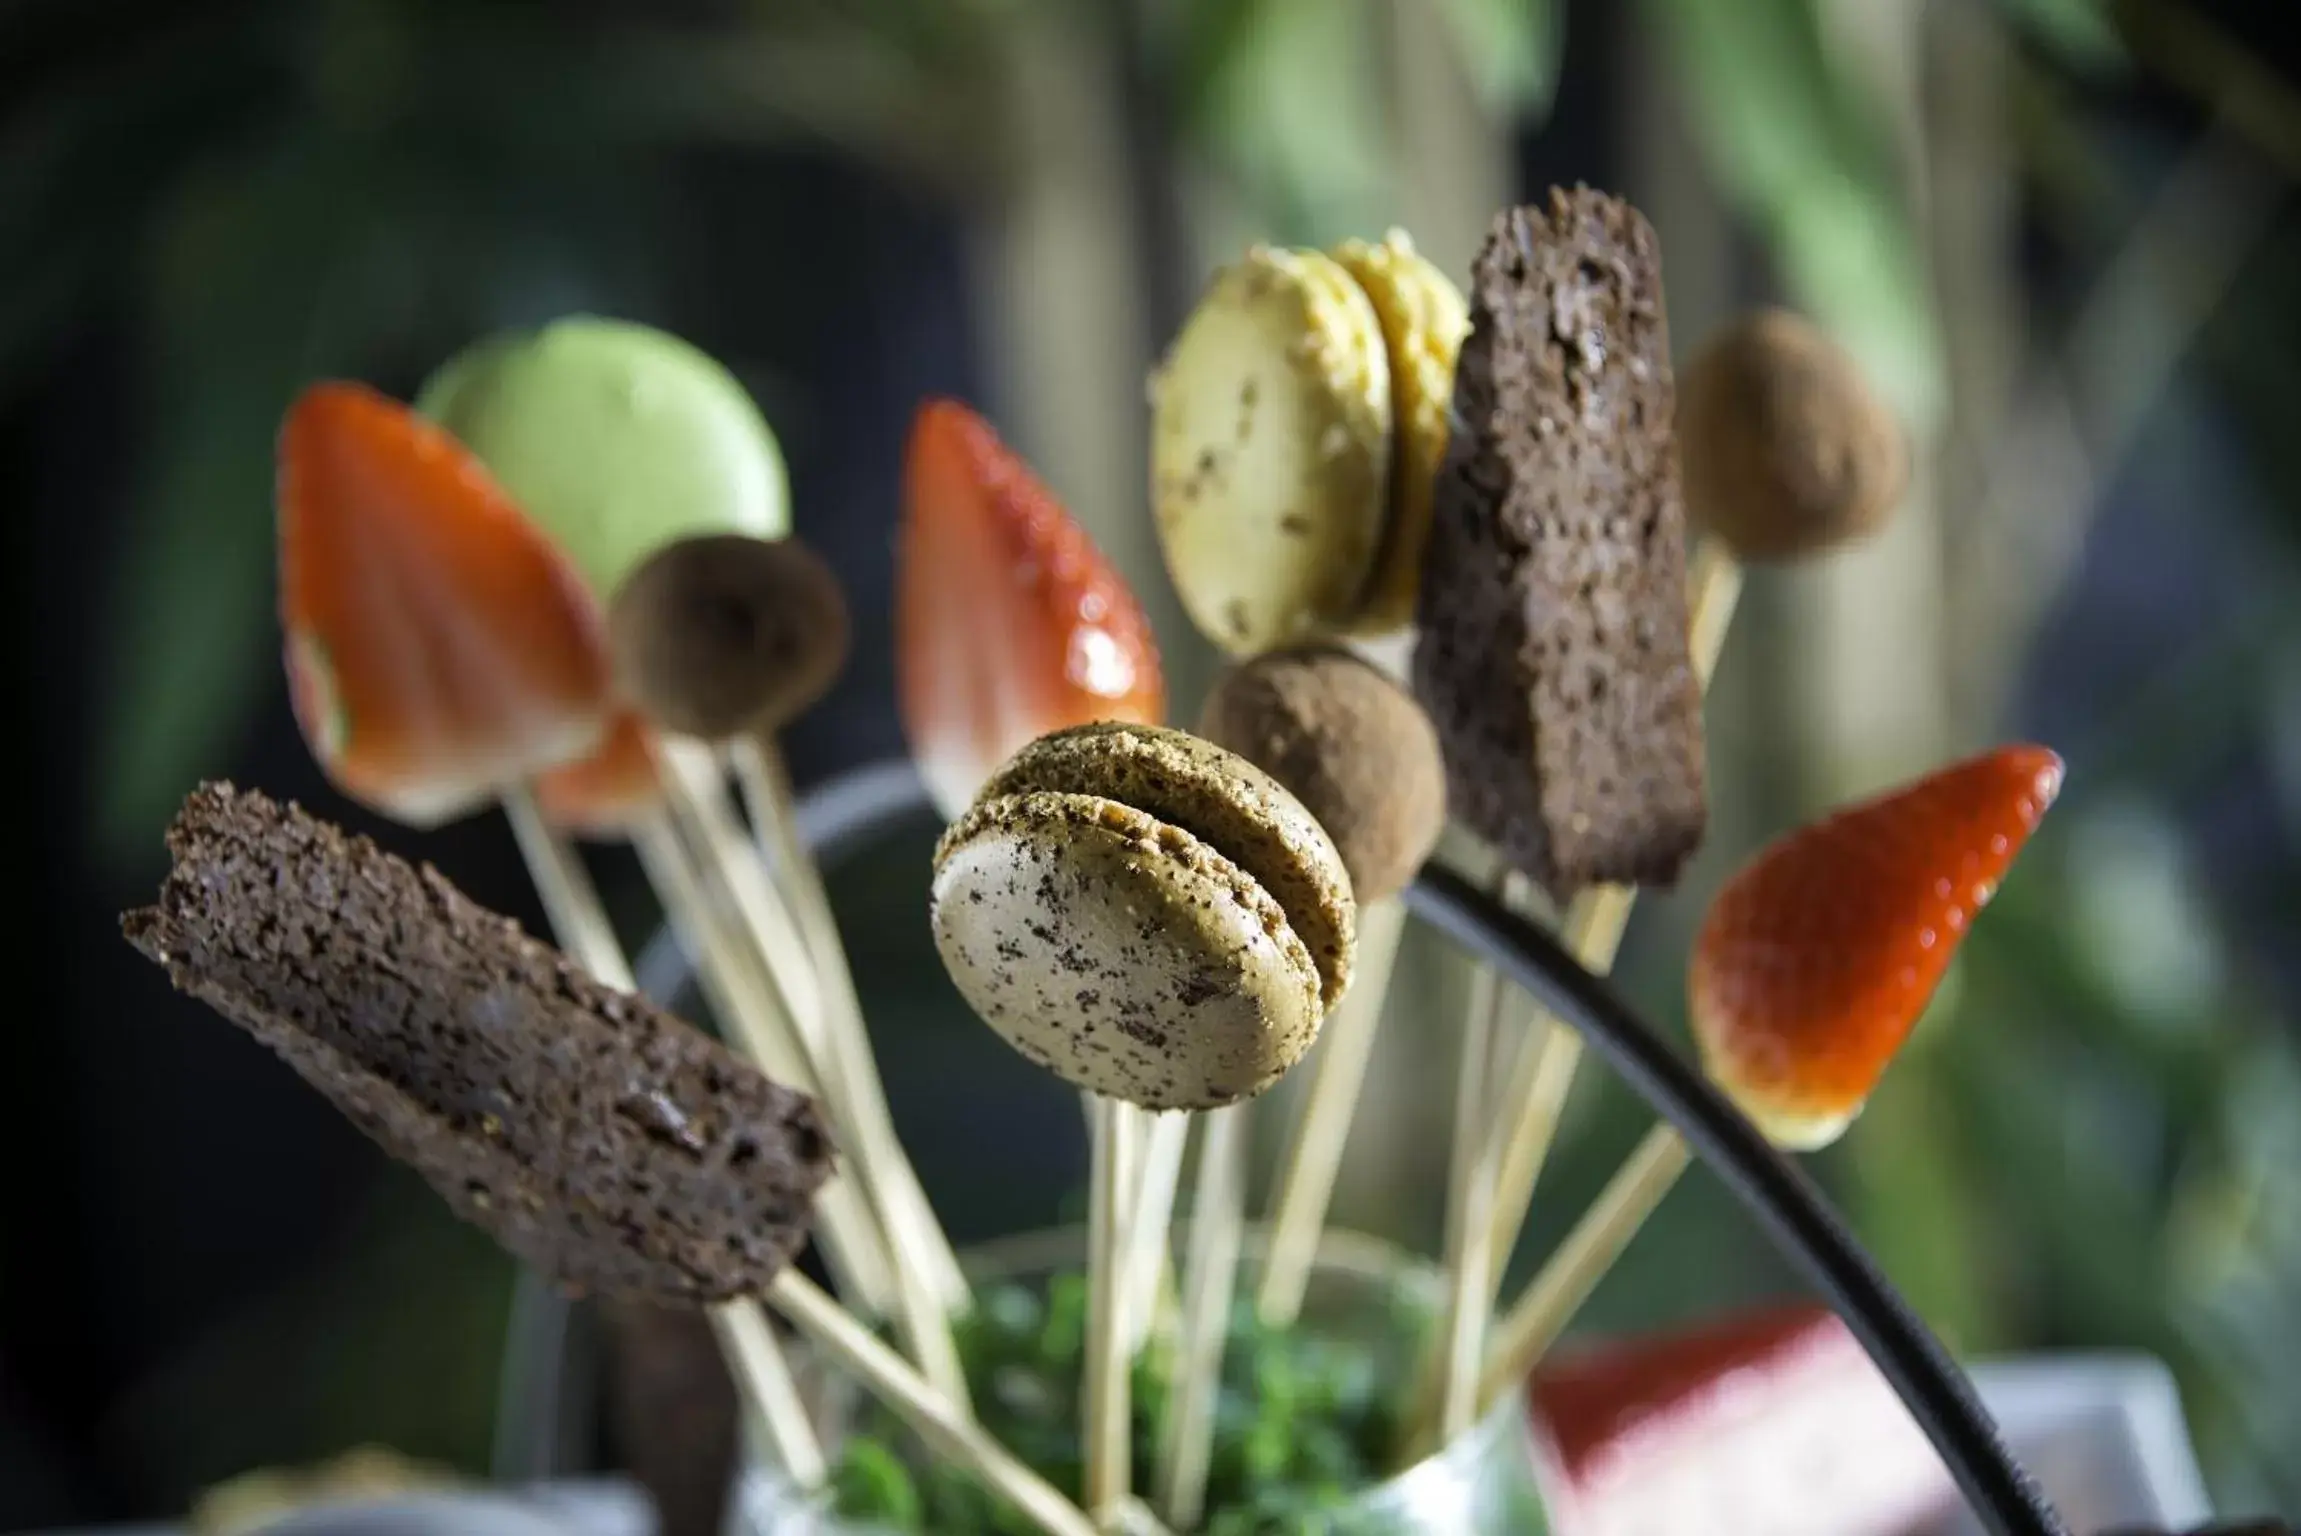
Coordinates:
x,y
438,646
1009,623
1816,960
1810,969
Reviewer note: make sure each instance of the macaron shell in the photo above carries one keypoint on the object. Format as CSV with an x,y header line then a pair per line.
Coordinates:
x,y
616,438
1123,955
1424,318
1270,451
1222,800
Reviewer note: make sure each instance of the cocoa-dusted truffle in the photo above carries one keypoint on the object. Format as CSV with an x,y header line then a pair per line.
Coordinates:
x,y
1350,744
1787,450
723,634
608,1144
1553,657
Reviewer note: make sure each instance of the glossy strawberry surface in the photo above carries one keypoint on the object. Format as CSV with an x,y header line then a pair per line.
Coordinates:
x,y
438,645
1009,622
1815,960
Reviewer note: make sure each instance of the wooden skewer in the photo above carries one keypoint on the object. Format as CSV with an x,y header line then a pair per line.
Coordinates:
x,y
728,973
1210,1272
1545,1070
694,796
1107,1385
1149,1266
748,1342
1313,1157
1447,1398
766,784
579,924
1592,932
930,1415
1534,1322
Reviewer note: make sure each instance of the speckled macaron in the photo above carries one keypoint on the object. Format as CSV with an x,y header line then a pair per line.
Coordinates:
x,y
1270,451
1424,318
1146,915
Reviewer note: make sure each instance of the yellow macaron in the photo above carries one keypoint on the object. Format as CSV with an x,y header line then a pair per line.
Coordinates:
x,y
1270,451
1424,319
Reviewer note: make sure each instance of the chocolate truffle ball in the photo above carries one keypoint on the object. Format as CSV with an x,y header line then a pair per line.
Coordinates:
x,y
1352,745
721,634
1786,450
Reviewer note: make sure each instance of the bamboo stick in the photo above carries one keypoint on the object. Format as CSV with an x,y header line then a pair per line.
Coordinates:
x,y
1313,1157
579,924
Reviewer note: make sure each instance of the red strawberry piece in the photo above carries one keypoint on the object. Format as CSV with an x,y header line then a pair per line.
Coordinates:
x,y
601,795
1009,623
1817,958
1771,1422
438,644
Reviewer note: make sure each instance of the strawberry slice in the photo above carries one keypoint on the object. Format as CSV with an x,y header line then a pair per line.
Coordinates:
x,y
1816,959
600,796
1009,623
438,645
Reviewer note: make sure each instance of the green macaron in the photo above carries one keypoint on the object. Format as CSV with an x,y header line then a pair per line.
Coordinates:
x,y
616,438
1146,915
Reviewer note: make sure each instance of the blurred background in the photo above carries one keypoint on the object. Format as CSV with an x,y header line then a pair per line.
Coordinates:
x,y
2062,235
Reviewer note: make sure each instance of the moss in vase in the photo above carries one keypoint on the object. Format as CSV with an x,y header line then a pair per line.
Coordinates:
x,y
1304,1422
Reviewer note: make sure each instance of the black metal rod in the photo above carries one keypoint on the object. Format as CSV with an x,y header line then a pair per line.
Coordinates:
x,y
1775,1191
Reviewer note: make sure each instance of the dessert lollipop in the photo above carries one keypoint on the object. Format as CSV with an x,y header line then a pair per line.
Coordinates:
x,y
1553,652
609,1144
1787,451
1009,623
437,647
1157,922
1297,421
1350,744
1145,915
1811,967
1772,499
726,639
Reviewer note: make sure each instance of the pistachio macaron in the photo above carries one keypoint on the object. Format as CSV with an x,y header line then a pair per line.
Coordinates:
x,y
1424,318
1270,450
616,438
1147,916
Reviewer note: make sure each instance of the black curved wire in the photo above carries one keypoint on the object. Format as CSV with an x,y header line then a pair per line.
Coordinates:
x,y
1782,1199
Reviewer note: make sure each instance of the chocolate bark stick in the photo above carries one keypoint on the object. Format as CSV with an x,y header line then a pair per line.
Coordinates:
x,y
1554,655
607,1143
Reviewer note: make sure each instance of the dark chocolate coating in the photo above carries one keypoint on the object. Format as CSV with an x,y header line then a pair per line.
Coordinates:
x,y
608,1144
1553,655
723,633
